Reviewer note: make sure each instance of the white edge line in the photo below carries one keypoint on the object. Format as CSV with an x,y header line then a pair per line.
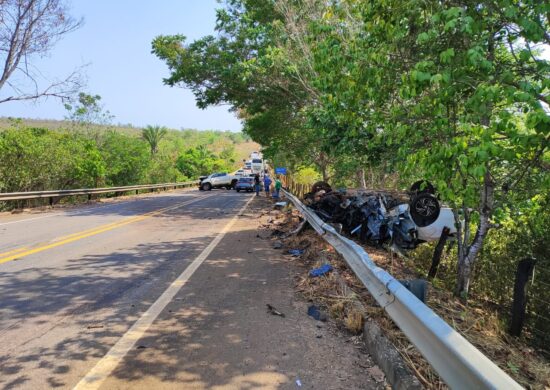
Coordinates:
x,y
101,371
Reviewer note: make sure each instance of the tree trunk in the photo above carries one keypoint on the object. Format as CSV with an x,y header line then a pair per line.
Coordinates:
x,y
361,179
324,172
436,259
468,253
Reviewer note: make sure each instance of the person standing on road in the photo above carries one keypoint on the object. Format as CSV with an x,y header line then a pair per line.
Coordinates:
x,y
267,185
257,184
278,186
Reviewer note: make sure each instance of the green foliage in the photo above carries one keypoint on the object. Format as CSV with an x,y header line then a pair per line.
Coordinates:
x,y
38,158
153,135
306,175
127,159
195,162
88,110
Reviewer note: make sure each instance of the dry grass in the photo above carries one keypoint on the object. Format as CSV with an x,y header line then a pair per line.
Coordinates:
x,y
349,303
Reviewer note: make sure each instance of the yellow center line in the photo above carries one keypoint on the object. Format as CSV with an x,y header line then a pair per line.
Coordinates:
x,y
13,251
22,252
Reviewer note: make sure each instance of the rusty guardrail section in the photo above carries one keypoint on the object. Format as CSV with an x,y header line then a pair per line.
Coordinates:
x,y
459,363
7,196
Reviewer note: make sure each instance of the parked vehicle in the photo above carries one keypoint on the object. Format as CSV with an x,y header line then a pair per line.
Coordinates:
x,y
245,184
218,180
257,165
239,173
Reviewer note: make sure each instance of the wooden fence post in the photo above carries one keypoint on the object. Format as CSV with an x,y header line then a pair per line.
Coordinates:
x,y
523,273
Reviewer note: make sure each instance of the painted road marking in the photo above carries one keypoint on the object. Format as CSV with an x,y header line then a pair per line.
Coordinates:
x,y
91,232
108,363
13,251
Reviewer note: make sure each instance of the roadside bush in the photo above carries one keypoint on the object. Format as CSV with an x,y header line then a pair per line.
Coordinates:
x,y
127,159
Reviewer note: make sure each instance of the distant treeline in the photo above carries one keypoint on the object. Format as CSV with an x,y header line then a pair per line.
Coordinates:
x,y
64,155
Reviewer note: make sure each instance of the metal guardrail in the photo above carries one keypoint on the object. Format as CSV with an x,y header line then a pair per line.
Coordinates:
x,y
459,363
5,196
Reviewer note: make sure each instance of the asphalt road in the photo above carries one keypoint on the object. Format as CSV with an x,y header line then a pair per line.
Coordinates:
x,y
117,296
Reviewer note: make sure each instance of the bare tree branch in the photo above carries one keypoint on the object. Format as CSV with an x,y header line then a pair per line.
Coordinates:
x,y
30,28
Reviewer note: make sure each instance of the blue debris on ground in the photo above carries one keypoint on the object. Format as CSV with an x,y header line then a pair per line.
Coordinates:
x,y
296,252
313,311
322,270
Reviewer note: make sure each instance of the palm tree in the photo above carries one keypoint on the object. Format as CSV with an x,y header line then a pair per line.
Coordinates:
x,y
153,135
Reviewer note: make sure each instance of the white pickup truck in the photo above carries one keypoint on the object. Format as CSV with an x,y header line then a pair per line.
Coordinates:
x,y
218,180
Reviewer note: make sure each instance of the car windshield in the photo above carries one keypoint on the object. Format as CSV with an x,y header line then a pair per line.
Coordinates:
x,y
245,180
257,161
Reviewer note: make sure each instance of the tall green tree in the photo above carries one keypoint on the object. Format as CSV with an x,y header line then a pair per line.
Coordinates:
x,y
153,135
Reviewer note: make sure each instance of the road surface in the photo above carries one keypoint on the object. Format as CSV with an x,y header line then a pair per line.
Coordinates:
x,y
155,292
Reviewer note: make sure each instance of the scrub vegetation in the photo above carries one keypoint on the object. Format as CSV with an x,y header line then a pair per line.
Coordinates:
x,y
51,155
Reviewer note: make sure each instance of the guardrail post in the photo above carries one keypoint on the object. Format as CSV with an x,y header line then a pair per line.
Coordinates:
x,y
89,197
51,200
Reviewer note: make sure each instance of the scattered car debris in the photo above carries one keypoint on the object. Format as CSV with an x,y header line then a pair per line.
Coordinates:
x,y
280,205
296,252
322,270
376,217
272,310
95,326
316,313
277,245
298,383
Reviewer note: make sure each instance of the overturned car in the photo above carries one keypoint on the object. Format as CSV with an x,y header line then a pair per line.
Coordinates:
x,y
401,219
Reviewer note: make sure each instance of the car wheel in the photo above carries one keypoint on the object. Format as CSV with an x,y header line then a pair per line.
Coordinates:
x,y
424,209
238,190
233,184
207,187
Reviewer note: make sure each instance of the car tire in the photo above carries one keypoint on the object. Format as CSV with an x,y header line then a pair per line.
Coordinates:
x,y
424,209
207,187
233,183
238,190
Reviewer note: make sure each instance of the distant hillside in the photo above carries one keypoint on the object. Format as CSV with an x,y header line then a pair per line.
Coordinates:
x,y
216,141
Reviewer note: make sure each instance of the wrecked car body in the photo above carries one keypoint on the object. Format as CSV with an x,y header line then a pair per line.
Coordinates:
x,y
401,219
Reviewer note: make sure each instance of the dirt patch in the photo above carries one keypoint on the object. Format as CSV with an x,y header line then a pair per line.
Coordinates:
x,y
343,296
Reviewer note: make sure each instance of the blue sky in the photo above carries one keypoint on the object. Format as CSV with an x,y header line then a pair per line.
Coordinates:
x,y
115,41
